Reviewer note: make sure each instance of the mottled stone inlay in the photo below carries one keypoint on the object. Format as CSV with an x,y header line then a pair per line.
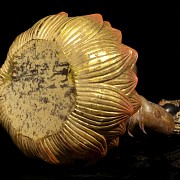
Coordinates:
x,y
40,94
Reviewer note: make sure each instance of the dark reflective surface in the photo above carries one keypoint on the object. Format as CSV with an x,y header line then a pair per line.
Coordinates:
x,y
142,157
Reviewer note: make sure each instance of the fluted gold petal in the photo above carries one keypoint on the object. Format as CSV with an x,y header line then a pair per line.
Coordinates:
x,y
135,101
100,107
101,65
89,121
116,132
108,90
117,33
85,137
126,81
77,31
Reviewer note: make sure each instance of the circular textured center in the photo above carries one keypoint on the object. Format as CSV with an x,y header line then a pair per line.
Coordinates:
x,y
40,94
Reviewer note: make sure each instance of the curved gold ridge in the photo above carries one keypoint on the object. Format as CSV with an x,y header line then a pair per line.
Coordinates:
x,y
67,88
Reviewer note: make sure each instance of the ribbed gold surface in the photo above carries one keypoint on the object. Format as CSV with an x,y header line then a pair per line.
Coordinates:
x,y
67,88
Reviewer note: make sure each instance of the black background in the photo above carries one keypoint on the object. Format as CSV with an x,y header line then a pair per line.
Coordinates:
x,y
152,28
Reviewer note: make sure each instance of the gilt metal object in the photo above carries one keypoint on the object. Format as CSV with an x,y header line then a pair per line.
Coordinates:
x,y
68,90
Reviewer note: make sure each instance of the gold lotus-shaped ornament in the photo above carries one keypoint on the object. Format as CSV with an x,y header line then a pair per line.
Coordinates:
x,y
67,89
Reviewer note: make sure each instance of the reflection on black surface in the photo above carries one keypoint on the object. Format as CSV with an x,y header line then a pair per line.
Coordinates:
x,y
142,157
